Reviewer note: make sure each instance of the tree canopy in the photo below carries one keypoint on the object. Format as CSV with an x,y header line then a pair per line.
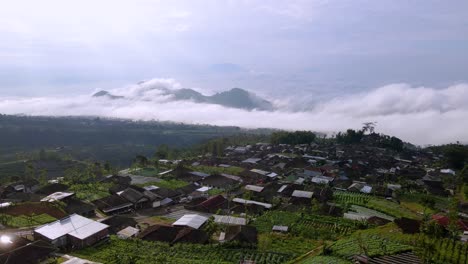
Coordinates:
x,y
293,138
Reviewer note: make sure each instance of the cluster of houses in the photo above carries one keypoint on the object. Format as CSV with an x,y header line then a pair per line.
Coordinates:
x,y
284,177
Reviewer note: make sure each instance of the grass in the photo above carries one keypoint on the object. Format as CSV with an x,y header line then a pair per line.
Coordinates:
x,y
215,191
161,220
26,221
168,184
416,207
440,202
171,184
147,172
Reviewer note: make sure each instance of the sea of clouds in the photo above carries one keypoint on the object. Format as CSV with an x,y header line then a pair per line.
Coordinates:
x,y
420,115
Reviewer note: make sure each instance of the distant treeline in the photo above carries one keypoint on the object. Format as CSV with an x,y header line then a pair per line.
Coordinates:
x,y
113,140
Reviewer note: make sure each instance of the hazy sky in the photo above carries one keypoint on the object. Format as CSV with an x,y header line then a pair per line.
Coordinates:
x,y
331,47
326,65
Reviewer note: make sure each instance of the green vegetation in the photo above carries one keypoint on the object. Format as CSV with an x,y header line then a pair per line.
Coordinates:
x,y
139,252
369,245
292,138
215,191
378,204
25,221
233,170
325,260
147,172
91,191
306,225
285,243
168,184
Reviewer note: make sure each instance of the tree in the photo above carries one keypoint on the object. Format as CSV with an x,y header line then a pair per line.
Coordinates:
x,y
350,137
211,227
456,155
43,177
369,127
141,160
292,138
453,228
162,152
30,171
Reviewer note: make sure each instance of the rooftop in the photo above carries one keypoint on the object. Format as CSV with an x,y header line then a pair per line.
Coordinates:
x,y
74,225
191,220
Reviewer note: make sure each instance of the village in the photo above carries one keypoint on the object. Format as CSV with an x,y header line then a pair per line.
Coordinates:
x,y
317,202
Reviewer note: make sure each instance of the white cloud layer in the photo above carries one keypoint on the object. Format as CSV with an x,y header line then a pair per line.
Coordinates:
x,y
420,115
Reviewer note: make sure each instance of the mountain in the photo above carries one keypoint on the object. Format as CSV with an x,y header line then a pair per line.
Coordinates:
x,y
106,94
239,98
234,98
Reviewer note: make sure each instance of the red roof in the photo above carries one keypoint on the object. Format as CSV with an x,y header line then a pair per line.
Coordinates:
x,y
444,221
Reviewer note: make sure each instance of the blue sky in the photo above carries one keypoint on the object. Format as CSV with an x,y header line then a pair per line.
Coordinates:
x,y
271,47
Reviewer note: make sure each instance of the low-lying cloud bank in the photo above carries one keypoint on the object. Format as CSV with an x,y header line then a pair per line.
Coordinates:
x,y
416,114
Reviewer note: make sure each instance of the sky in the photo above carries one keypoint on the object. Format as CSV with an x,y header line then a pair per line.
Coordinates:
x,y
327,65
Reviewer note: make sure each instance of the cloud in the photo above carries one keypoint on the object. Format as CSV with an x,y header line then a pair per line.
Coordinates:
x,y
421,115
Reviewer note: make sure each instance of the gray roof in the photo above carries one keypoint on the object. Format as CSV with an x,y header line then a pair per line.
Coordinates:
x,y
302,194
191,220
74,225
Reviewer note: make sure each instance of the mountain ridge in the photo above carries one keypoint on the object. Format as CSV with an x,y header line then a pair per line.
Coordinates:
x,y
233,98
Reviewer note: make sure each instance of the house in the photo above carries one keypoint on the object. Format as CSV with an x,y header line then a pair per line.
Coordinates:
x,y
128,232
241,234
52,188
135,197
278,228
15,249
301,197
118,222
219,181
76,206
444,221
75,231
191,220
322,179
113,204
360,187
254,188
248,202
229,220
57,196
211,205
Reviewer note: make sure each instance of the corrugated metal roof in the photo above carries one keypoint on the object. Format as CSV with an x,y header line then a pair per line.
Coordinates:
x,y
282,188
204,189
74,225
302,194
254,188
127,232
229,220
56,196
280,228
322,179
244,201
151,187
262,172
199,174
191,220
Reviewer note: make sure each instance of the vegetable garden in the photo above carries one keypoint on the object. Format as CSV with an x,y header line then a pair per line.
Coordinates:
x,y
138,251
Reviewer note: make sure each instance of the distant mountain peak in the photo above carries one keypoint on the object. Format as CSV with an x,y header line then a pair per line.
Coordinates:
x,y
104,93
233,98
